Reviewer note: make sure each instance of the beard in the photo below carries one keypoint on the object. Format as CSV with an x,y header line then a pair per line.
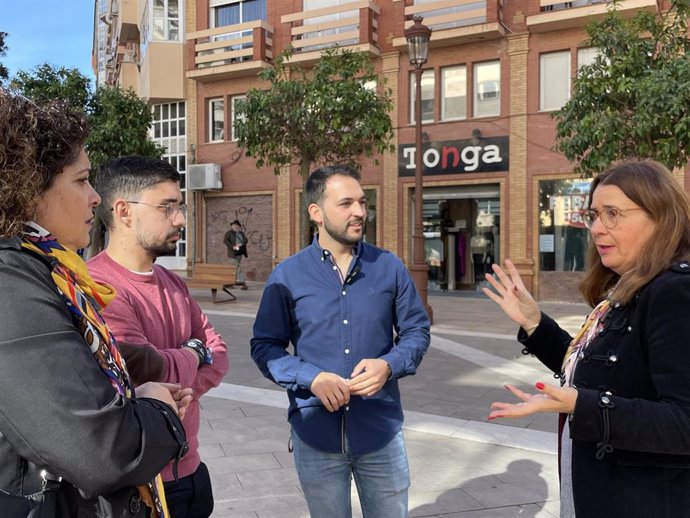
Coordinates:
x,y
340,235
158,248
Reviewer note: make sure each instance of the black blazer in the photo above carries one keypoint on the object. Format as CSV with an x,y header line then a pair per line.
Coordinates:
x,y
631,426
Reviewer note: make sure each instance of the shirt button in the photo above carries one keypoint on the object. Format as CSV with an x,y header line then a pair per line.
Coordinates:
x,y
347,409
347,351
344,292
335,267
345,321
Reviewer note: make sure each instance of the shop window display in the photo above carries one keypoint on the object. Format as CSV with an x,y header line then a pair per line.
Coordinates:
x,y
563,237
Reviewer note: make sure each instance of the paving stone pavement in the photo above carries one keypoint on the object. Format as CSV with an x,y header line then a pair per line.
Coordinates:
x,y
461,465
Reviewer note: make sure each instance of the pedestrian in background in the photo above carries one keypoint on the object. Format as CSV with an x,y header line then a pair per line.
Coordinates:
x,y
357,325
67,405
624,397
236,242
164,333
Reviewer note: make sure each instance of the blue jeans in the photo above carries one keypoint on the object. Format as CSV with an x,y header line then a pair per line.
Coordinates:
x,y
382,478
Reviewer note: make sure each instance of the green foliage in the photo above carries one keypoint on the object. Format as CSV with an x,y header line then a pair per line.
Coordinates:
x,y
322,115
4,73
634,100
120,121
45,83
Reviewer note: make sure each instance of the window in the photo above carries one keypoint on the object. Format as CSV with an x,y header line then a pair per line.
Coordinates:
x,y
427,96
554,80
586,56
487,89
216,120
169,131
233,104
563,238
166,20
454,93
325,20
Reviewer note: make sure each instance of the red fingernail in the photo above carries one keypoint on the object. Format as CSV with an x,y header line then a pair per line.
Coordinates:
x,y
539,385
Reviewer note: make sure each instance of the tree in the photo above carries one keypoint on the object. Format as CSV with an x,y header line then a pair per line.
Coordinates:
x,y
120,122
634,100
4,73
45,83
324,115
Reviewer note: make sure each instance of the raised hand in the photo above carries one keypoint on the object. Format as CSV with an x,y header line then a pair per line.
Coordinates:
x,y
512,296
550,399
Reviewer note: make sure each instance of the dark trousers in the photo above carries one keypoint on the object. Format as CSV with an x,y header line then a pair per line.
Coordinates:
x,y
192,496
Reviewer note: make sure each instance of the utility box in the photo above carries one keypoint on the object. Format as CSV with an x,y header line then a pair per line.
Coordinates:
x,y
203,177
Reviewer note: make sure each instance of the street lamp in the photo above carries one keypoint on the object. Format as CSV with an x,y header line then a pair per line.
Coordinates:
x,y
417,37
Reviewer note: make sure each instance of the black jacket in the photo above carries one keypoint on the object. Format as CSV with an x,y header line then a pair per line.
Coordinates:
x,y
230,240
59,412
631,426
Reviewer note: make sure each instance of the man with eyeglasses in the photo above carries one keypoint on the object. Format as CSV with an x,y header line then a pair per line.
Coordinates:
x,y
162,332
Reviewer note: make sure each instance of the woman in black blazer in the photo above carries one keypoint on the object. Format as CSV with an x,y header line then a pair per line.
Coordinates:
x,y
624,398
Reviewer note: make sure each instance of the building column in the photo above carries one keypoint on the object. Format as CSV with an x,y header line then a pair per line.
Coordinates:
x,y
519,221
388,205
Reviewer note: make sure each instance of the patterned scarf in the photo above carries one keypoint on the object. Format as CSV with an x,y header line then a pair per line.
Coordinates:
x,y
592,327
85,299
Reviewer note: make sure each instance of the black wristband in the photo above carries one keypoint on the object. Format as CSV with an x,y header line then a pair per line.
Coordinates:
x,y
198,347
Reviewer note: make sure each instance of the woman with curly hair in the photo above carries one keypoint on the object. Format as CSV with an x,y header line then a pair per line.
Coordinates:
x,y
69,418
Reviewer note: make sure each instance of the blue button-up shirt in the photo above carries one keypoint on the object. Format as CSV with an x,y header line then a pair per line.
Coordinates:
x,y
333,325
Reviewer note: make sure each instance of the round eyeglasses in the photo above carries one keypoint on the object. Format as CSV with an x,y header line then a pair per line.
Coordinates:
x,y
171,209
608,216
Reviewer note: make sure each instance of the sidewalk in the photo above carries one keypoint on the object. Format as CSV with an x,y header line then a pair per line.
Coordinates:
x,y
461,465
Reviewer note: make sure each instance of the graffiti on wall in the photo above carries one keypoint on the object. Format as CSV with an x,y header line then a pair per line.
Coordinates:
x,y
255,214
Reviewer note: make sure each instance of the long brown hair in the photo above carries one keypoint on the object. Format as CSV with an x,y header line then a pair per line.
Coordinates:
x,y
652,187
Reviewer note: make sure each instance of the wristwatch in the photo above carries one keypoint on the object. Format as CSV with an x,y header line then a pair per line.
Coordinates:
x,y
200,349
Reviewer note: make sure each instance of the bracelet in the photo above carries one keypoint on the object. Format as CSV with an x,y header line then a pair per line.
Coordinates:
x,y
200,349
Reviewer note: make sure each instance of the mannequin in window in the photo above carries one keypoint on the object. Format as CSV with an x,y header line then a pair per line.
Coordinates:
x,y
478,244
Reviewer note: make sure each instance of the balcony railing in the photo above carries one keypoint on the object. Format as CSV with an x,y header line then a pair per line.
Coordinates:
x,y
456,21
231,47
559,14
354,24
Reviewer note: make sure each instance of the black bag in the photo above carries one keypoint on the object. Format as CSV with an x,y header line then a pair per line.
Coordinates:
x,y
47,503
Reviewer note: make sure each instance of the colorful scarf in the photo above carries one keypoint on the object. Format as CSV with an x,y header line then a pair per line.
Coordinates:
x,y
85,299
592,327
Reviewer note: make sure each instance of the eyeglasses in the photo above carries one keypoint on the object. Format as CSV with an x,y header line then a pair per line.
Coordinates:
x,y
171,209
608,216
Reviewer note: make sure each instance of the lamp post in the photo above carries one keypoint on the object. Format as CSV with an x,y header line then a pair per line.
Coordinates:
x,y
417,37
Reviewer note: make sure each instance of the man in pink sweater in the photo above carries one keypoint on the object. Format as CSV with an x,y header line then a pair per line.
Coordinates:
x,y
163,333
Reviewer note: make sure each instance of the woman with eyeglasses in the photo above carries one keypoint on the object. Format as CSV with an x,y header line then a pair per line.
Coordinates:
x,y
69,420
624,396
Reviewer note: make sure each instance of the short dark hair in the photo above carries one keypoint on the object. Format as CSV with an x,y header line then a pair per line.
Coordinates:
x,y
316,183
236,222
128,177
36,144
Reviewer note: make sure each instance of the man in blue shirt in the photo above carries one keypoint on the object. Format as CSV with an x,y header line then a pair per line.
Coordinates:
x,y
357,324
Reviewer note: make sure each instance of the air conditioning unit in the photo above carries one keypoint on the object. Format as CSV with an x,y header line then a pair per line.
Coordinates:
x,y
203,177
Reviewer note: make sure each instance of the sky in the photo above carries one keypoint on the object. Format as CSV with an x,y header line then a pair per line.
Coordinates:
x,y
58,32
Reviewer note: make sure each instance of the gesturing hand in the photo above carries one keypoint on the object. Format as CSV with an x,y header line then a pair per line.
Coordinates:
x,y
512,296
368,376
331,389
550,400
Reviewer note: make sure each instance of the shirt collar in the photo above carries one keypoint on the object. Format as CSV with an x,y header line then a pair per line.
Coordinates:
x,y
324,254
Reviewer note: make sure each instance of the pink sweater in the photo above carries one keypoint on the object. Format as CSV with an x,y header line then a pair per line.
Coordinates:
x,y
156,311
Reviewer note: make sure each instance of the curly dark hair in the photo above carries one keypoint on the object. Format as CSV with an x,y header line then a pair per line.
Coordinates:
x,y
36,143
